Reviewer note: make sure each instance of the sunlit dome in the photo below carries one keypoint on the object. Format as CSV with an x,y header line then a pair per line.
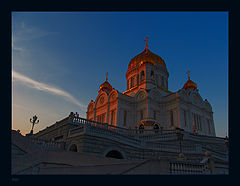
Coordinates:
x,y
189,83
146,56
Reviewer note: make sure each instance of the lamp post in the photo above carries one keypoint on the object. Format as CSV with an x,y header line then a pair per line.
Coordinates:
x,y
180,133
33,121
226,141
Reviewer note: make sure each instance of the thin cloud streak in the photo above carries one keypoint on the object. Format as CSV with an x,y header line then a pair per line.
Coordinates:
x,y
45,88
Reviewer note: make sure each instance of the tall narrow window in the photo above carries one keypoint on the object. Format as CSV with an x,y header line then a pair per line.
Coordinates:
x,y
128,84
142,76
113,117
132,82
125,118
152,75
141,115
200,124
162,81
171,115
138,79
103,118
154,114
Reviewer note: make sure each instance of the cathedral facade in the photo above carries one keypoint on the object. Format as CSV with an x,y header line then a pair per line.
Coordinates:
x,y
148,104
146,122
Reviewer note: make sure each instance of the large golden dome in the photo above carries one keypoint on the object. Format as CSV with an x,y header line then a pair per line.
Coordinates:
x,y
146,56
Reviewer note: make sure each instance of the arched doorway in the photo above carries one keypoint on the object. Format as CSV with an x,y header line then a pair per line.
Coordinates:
x,y
73,148
156,128
141,128
114,154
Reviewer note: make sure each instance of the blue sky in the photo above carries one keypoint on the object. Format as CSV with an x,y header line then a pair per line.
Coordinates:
x,y
59,59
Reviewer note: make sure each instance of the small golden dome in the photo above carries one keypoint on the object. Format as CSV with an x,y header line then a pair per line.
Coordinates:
x,y
190,84
146,56
105,85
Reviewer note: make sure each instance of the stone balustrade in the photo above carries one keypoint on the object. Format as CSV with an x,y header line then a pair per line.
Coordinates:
x,y
184,167
141,139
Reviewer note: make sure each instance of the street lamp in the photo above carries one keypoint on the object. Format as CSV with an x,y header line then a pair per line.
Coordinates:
x,y
226,141
33,121
180,133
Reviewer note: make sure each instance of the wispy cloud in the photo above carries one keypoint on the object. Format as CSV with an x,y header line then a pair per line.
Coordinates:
x,y
45,88
23,32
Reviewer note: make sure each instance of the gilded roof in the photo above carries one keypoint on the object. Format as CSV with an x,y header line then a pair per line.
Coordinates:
x,y
190,84
146,56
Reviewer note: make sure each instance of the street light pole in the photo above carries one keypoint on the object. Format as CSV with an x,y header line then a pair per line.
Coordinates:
x,y
33,121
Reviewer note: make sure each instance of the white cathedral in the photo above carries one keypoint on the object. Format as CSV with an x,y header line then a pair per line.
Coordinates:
x,y
153,131
148,104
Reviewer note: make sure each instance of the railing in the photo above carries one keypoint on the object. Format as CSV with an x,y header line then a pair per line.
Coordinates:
x,y
46,144
183,167
142,133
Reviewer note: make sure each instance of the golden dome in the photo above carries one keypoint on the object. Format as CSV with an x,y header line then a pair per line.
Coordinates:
x,y
190,84
105,85
146,56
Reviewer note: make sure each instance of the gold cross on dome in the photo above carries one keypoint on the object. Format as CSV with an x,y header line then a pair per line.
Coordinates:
x,y
188,74
146,45
106,76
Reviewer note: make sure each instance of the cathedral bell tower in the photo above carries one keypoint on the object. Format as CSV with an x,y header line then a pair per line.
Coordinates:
x,y
146,71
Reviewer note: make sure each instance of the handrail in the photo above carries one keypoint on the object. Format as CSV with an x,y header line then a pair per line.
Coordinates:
x,y
186,167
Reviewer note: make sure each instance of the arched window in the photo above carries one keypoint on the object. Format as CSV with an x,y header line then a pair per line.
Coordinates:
x,y
73,148
171,117
142,76
132,82
152,75
114,154
125,118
